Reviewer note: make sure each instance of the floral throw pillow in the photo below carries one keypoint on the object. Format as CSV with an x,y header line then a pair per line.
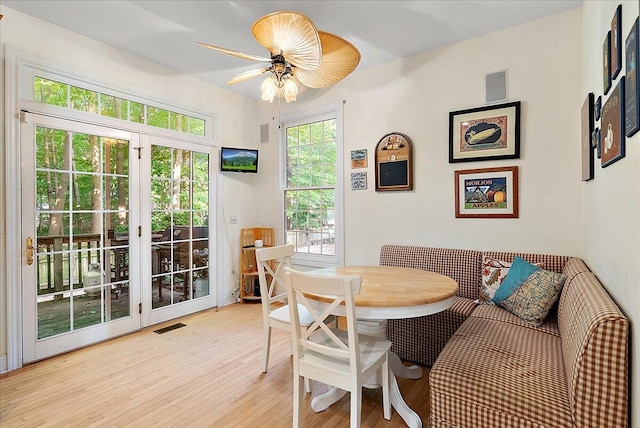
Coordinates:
x,y
494,272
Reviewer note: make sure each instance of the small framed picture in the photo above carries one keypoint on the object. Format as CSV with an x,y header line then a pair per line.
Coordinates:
x,y
587,130
612,126
595,136
597,108
487,193
606,63
485,133
616,42
359,158
631,87
359,180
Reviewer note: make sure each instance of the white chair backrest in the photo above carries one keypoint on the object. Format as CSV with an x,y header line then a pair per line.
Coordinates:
x,y
302,289
272,261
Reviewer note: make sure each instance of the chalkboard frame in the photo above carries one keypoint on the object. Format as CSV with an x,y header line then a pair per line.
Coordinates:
x,y
394,163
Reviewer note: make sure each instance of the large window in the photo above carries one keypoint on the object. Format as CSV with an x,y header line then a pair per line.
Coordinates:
x,y
312,195
65,95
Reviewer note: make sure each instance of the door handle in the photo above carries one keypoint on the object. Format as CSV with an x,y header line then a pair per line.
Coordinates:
x,y
29,251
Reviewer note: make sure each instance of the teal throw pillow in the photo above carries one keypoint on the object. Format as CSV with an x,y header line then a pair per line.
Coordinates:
x,y
530,292
520,270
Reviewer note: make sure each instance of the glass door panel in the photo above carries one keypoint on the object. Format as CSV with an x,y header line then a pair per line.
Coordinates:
x,y
179,218
77,216
180,193
76,225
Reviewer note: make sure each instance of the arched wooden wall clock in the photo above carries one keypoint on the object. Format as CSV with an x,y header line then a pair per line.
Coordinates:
x,y
394,163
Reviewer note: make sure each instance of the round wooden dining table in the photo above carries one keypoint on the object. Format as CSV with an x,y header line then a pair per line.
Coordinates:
x,y
390,292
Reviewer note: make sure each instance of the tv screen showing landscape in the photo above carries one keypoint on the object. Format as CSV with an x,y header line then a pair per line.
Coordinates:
x,y
238,160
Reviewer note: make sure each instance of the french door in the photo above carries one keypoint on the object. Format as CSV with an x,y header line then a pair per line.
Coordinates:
x,y
178,259
96,263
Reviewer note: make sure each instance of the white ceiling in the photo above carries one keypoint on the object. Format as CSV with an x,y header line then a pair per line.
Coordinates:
x,y
383,31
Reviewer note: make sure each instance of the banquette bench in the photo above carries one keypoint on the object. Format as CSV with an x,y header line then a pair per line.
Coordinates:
x,y
490,368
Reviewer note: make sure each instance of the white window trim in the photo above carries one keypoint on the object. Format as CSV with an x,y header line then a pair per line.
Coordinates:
x,y
30,66
335,111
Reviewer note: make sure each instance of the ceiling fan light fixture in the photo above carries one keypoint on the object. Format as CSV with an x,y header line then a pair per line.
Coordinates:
x,y
300,56
290,90
268,89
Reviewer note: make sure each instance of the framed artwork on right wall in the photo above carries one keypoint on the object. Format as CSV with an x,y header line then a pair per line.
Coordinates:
x,y
631,88
606,63
612,131
587,131
616,42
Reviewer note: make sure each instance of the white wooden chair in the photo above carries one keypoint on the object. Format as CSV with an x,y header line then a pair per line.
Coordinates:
x,y
344,359
271,262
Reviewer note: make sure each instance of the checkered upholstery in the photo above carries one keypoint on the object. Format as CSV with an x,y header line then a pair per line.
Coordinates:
x,y
421,339
550,262
496,374
573,267
464,266
492,369
550,324
595,350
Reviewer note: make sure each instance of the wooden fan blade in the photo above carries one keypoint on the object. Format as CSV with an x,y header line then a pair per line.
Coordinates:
x,y
339,58
291,34
246,75
235,53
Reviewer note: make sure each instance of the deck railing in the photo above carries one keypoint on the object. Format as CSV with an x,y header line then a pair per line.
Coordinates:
x,y
55,253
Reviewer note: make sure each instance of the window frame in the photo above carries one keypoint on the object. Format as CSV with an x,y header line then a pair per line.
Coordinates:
x,y
29,69
305,259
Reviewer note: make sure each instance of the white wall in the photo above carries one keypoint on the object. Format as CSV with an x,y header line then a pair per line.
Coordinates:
x,y
119,70
611,203
415,95
552,64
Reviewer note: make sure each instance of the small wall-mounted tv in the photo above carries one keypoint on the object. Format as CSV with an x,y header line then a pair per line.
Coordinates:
x,y
238,160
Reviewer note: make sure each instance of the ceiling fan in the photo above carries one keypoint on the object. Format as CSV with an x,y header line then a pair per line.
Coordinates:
x,y
299,55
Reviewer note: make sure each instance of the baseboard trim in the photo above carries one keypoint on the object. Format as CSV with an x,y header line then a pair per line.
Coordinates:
x,y
229,300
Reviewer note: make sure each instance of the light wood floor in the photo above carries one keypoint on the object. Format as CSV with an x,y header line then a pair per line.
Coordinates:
x,y
207,374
